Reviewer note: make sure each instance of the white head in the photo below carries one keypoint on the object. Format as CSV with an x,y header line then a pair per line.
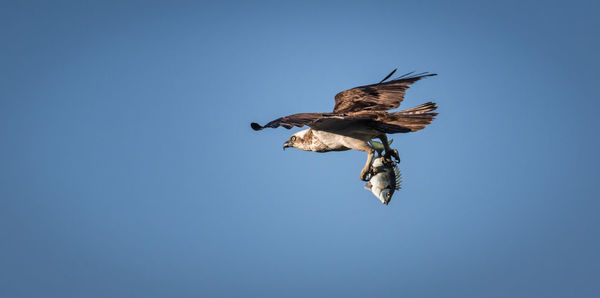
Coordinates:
x,y
300,140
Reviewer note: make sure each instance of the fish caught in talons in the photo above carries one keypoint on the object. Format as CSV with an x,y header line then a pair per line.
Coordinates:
x,y
384,176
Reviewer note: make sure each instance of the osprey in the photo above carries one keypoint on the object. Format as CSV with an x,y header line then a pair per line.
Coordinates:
x,y
359,115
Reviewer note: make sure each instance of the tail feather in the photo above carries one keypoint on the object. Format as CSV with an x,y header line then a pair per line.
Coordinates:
x,y
412,119
420,109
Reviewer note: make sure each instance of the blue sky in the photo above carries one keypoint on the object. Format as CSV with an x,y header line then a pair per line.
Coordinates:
x,y
128,167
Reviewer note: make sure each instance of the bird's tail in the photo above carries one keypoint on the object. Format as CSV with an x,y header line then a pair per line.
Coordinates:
x,y
408,120
420,109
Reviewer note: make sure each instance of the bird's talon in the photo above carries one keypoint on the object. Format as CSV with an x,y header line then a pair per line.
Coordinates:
x,y
363,175
393,153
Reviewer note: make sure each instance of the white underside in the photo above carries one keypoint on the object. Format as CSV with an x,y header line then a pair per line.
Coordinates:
x,y
335,141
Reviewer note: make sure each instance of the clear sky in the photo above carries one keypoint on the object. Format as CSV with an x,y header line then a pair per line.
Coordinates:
x,y
128,167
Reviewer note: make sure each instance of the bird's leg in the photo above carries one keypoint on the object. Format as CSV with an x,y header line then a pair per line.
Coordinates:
x,y
365,171
389,152
363,146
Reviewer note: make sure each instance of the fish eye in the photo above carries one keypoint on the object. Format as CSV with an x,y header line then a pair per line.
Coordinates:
x,y
293,138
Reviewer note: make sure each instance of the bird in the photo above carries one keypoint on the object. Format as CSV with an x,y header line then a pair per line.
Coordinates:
x,y
359,115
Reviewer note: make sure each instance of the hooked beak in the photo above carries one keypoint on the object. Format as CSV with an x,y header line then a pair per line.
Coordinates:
x,y
286,145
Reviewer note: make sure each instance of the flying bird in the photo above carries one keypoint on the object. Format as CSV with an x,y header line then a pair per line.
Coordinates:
x,y
359,115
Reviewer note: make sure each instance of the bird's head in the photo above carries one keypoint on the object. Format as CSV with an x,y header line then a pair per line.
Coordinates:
x,y
297,140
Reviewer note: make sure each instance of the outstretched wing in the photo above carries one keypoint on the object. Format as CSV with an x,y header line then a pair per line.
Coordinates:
x,y
320,121
376,97
290,121
413,119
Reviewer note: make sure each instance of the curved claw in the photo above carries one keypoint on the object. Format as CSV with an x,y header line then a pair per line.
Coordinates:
x,y
396,156
364,176
393,153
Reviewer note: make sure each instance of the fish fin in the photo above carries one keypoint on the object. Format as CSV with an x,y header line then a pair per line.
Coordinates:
x,y
398,177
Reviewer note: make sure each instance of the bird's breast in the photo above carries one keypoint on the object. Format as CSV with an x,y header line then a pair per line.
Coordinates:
x,y
325,141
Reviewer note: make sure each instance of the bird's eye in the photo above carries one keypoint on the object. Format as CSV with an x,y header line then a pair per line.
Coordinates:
x,y
293,138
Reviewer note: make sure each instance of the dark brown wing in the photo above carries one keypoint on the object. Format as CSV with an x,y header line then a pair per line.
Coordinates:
x,y
290,121
320,121
376,97
408,120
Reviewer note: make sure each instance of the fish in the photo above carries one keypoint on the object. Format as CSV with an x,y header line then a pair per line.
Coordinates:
x,y
385,177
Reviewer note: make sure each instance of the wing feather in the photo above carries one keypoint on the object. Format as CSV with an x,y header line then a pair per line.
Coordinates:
x,y
412,119
366,105
376,97
320,121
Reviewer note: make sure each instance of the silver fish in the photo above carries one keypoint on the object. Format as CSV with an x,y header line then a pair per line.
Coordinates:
x,y
385,178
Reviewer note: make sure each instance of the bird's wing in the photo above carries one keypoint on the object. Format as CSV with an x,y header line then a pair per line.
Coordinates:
x,y
319,121
408,120
376,97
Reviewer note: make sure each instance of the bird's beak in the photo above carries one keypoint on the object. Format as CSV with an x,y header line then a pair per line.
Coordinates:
x,y
286,144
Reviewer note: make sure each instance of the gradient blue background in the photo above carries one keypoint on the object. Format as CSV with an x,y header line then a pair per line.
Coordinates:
x,y
128,167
